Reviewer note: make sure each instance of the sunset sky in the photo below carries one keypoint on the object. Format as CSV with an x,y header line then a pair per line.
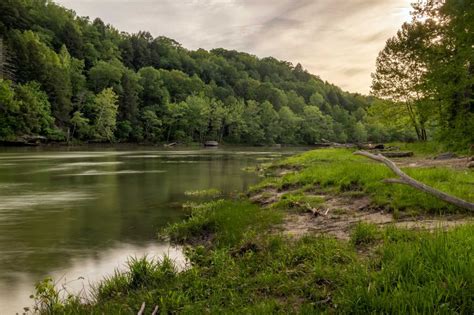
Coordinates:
x,y
335,39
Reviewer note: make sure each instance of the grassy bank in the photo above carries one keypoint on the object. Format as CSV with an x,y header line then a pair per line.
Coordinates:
x,y
338,171
239,261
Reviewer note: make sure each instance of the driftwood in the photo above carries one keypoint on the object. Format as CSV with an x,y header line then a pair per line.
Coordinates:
x,y
334,145
170,145
397,154
142,309
307,207
371,146
407,180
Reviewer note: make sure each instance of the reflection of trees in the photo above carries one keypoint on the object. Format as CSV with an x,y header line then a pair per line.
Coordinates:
x,y
127,208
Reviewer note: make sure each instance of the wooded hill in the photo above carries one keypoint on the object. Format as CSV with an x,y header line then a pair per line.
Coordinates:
x,y
66,77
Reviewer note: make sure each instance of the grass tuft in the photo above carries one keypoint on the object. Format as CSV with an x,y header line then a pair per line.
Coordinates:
x,y
365,234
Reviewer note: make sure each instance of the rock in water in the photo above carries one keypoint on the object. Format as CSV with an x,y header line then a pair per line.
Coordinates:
x,y
211,143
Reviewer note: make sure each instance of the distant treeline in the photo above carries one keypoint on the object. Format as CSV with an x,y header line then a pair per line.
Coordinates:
x,y
66,77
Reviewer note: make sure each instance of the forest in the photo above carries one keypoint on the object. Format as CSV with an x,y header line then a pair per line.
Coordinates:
x,y
68,78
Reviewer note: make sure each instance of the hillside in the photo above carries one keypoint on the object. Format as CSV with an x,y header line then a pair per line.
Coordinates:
x,y
68,78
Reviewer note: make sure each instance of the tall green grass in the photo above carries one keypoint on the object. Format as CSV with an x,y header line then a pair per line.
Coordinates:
x,y
409,272
223,222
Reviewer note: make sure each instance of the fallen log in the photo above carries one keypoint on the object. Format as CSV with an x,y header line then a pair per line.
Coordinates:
x,y
397,154
407,180
323,145
371,146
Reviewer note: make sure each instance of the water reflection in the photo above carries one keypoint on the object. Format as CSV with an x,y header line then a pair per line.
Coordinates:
x,y
84,271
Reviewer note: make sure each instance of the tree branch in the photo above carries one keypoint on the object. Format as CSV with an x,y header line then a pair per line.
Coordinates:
x,y
407,180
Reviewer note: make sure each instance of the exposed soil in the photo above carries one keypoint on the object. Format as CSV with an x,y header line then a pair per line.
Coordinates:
x,y
339,214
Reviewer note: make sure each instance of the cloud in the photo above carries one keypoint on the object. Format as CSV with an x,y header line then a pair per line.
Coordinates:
x,y
335,39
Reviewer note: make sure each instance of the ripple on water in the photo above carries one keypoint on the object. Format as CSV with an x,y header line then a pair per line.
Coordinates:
x,y
71,166
26,201
106,173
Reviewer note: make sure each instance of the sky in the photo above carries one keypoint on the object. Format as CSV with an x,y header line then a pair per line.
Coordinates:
x,y
338,40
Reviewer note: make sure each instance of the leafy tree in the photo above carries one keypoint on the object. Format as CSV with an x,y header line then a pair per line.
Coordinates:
x,y
106,113
36,61
80,125
153,92
315,125
316,99
9,106
129,96
400,76
360,133
106,75
151,126
296,102
289,123
35,109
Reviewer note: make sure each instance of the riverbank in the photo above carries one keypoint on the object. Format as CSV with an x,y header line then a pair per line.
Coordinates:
x,y
281,248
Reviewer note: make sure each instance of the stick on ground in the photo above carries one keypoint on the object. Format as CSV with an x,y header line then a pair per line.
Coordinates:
x,y
407,180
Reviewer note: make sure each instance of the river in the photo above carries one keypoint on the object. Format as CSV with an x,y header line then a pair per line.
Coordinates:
x,y
77,214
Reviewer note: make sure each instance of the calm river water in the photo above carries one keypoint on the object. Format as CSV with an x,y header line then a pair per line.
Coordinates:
x,y
81,213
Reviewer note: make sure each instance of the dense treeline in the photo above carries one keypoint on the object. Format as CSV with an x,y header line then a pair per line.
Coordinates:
x,y
66,77
427,71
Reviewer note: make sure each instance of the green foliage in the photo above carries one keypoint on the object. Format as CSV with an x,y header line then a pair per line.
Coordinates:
x,y
35,110
9,106
166,92
105,104
427,70
24,109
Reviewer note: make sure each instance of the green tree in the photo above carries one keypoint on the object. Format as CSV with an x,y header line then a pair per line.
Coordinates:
x,y
9,107
153,91
106,75
106,114
151,126
35,109
80,126
315,125
289,123
400,76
